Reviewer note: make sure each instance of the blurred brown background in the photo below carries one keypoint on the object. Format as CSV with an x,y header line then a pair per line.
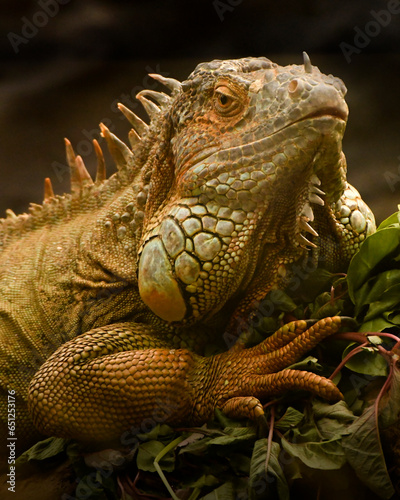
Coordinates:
x,y
65,64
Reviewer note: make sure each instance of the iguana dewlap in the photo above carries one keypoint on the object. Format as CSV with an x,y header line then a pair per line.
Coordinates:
x,y
109,295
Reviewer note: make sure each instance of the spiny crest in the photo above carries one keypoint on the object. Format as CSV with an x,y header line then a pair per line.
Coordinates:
x,y
120,152
172,84
82,184
48,190
137,123
101,173
79,174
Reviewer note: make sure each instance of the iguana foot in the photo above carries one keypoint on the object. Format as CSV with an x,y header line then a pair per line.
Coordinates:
x,y
260,371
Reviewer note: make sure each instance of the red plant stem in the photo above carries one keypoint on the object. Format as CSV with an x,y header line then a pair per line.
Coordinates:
x,y
382,334
388,355
122,489
361,337
352,336
337,297
270,436
270,403
385,387
344,361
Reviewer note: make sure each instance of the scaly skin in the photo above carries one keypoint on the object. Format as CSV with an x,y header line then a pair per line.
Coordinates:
x,y
110,295
145,378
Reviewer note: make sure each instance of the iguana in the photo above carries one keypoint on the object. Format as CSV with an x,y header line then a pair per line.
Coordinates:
x,y
110,296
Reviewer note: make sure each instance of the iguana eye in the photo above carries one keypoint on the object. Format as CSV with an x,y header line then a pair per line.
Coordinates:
x,y
226,102
223,99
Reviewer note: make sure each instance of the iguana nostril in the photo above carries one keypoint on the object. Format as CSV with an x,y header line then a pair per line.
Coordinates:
x,y
292,87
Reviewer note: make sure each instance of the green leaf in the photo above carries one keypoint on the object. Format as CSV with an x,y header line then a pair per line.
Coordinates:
x,y
290,419
160,432
364,454
261,480
225,421
393,317
324,307
313,284
328,309
389,407
281,300
224,492
368,361
197,447
234,436
268,324
149,451
373,289
338,411
380,245
191,438
239,462
90,487
326,455
44,449
205,480
375,325
309,364
389,301
372,293
392,220
332,420
375,340
331,429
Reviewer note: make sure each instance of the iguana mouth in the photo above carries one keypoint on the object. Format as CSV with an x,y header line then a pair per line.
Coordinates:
x,y
334,113
328,112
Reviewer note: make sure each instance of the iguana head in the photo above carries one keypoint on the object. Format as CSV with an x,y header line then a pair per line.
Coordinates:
x,y
255,147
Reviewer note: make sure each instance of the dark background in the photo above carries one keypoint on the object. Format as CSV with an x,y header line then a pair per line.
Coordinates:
x,y
91,54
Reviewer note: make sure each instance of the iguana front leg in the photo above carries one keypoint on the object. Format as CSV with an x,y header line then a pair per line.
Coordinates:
x,y
100,384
